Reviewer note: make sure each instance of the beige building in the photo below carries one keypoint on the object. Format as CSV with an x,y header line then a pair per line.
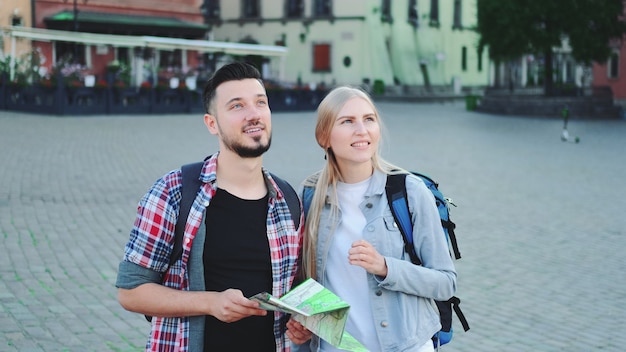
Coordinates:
x,y
14,13
399,42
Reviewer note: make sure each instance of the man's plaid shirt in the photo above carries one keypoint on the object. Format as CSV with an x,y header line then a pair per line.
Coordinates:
x,y
152,237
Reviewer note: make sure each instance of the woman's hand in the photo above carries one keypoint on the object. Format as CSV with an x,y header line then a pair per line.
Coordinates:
x,y
366,256
297,333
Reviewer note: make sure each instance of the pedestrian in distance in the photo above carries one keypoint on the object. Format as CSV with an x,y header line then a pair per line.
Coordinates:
x,y
240,238
352,245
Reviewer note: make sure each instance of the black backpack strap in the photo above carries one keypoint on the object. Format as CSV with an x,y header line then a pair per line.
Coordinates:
x,y
189,188
399,205
291,197
190,185
455,247
455,301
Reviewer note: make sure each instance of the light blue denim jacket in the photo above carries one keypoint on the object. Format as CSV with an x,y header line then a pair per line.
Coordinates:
x,y
402,303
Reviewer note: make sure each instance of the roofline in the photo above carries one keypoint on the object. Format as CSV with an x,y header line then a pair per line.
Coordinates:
x,y
163,43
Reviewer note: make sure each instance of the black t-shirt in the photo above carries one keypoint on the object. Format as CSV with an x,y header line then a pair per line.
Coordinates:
x,y
236,255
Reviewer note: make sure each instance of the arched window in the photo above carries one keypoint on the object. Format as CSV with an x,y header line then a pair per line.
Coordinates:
x,y
385,11
434,13
464,58
210,9
322,8
294,8
250,9
413,15
457,20
613,65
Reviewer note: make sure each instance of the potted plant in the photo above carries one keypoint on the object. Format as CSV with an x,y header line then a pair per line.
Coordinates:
x,y
120,85
47,82
145,86
101,84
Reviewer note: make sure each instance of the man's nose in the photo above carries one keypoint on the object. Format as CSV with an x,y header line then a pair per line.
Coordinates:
x,y
254,112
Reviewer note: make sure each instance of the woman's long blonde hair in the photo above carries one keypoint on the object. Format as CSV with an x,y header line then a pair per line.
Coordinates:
x,y
327,178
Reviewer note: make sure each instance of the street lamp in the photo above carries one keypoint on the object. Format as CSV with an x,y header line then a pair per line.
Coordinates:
x,y
75,20
210,10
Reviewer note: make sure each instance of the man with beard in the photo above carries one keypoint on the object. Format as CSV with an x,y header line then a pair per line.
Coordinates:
x,y
239,239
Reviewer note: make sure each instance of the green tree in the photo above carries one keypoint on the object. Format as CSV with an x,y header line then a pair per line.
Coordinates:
x,y
511,28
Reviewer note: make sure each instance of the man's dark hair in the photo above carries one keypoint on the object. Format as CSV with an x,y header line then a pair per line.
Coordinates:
x,y
230,72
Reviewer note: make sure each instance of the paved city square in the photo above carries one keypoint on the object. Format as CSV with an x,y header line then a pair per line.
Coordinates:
x,y
541,223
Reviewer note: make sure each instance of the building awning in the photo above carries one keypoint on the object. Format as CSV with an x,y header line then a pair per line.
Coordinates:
x,y
162,43
125,24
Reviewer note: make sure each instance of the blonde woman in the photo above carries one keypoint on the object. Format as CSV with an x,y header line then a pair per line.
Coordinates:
x,y
352,244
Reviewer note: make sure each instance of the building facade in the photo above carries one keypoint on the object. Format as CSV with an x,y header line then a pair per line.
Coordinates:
x,y
180,19
424,43
15,13
140,42
612,73
394,42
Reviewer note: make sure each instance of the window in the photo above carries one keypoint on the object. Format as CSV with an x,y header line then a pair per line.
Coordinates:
x,y
413,16
250,9
123,55
170,60
211,9
385,11
434,13
464,58
294,8
70,52
613,65
480,60
457,15
321,8
321,58
16,21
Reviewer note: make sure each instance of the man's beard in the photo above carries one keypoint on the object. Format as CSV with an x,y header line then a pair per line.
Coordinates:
x,y
246,151
249,152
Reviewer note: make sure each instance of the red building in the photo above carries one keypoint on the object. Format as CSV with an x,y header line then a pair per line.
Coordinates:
x,y
612,73
159,18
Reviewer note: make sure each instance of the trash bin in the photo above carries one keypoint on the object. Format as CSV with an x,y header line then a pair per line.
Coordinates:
x,y
471,101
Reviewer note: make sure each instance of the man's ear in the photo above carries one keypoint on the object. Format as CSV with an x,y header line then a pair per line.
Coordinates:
x,y
211,123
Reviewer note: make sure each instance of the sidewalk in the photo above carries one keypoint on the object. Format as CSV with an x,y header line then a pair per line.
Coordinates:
x,y
540,222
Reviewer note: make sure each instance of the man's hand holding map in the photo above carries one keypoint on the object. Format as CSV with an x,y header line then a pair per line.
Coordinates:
x,y
318,309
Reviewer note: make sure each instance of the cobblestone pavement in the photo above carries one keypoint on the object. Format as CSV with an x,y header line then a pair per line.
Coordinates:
x,y
541,222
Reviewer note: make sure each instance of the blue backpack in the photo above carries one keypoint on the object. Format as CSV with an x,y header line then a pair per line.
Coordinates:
x,y
397,198
398,203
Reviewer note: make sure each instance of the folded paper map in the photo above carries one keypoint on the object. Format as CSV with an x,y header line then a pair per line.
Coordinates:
x,y
318,309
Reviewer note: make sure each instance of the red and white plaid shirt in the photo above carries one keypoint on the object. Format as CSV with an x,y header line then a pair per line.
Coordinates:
x,y
152,236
